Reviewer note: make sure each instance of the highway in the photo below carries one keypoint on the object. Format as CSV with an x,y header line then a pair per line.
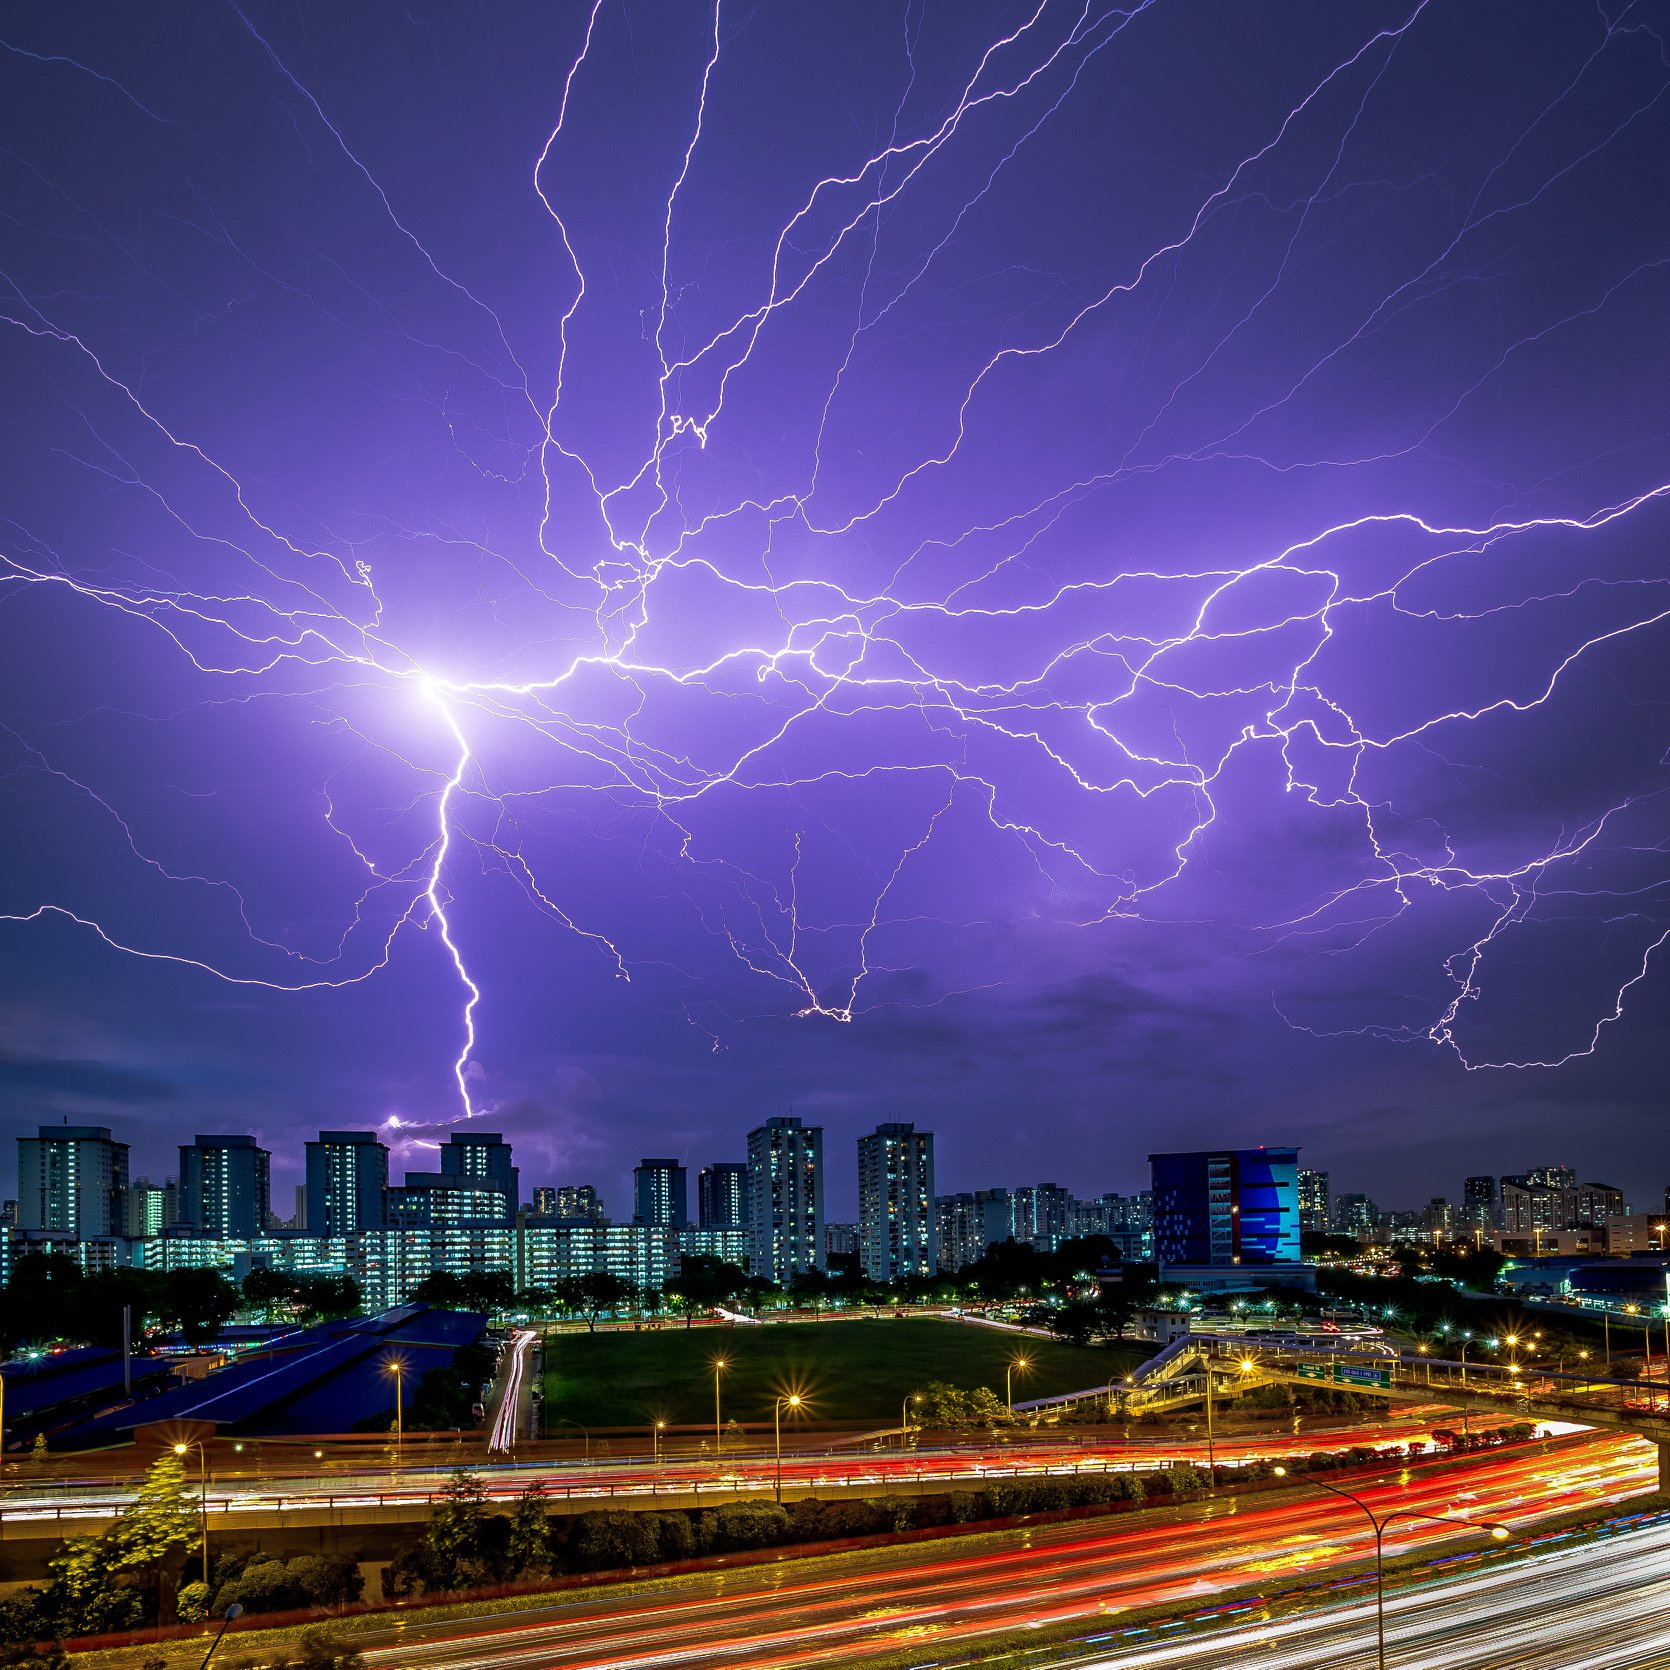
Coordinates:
x,y
943,1598
689,1483
1603,1605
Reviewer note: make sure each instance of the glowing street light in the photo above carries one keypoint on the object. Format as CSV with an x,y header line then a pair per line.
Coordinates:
x,y
790,1400
1499,1533
203,1483
1021,1363
719,1367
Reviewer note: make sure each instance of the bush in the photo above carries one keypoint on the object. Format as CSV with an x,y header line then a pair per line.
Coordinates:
x,y
191,1605
739,1525
611,1538
677,1539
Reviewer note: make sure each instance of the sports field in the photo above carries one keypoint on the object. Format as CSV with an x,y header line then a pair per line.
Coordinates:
x,y
854,1371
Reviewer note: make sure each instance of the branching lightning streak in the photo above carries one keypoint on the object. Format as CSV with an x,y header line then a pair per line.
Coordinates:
x,y
1103,741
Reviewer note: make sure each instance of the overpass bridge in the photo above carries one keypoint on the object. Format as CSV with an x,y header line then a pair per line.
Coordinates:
x,y
1203,1368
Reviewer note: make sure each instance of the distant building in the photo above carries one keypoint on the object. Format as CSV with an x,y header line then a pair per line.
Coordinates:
x,y
1315,1202
961,1230
1438,1220
1478,1204
1235,1206
580,1202
545,1202
660,1195
1042,1215
722,1195
1356,1214
897,1230
438,1199
147,1208
483,1158
785,1198
225,1186
72,1180
1126,1220
1552,1177
842,1241
347,1182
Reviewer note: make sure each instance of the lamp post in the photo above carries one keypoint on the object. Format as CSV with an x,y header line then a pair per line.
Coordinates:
x,y
235,1610
203,1484
396,1367
1606,1328
1380,1522
1466,1340
790,1401
584,1432
1021,1363
904,1419
655,1441
719,1367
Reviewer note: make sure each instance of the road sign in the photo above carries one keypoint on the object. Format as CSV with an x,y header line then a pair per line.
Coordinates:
x,y
1312,1371
1363,1376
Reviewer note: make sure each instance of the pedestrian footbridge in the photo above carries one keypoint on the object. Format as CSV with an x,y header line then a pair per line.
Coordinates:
x,y
1202,1368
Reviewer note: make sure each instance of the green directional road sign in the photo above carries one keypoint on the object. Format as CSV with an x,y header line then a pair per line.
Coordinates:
x,y
1312,1371
1365,1376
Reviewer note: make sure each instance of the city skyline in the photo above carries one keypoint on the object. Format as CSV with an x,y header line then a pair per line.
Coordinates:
x,y
854,563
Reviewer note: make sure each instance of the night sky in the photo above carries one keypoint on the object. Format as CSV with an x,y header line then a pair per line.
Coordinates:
x,y
1095,579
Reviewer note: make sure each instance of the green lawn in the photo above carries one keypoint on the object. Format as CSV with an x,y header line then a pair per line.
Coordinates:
x,y
846,1371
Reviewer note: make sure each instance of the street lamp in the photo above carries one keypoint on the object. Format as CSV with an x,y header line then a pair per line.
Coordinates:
x,y
396,1366
790,1400
1021,1363
904,1419
719,1367
1380,1522
235,1610
584,1432
203,1482
655,1441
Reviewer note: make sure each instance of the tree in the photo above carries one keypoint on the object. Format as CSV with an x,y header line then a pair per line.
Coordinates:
x,y
199,1302
594,1293
328,1298
529,1550
162,1516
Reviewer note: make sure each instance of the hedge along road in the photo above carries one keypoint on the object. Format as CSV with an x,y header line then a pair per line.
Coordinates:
x,y
852,1371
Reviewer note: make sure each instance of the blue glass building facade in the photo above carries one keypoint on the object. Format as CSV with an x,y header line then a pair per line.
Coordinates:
x,y
1236,1206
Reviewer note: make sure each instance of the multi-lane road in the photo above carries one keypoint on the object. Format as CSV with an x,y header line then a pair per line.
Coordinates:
x,y
682,1483
945,1598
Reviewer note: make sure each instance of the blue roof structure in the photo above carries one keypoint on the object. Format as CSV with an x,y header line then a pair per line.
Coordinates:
x,y
323,1378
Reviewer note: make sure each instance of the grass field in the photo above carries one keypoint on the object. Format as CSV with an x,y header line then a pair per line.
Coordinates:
x,y
847,1371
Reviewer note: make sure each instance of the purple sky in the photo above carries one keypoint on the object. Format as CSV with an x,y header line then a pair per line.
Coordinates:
x,y
1089,578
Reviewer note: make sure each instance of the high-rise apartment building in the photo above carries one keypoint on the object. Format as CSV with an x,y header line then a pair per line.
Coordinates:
x,y
72,1180
150,1207
842,1241
962,1230
225,1186
1043,1215
722,1195
347,1182
437,1199
1238,1206
580,1203
545,1201
660,1193
1478,1204
1552,1177
785,1198
898,1233
1356,1214
482,1159
1315,1202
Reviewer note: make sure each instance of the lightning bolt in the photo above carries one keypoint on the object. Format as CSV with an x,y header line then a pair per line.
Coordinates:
x,y
752,635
